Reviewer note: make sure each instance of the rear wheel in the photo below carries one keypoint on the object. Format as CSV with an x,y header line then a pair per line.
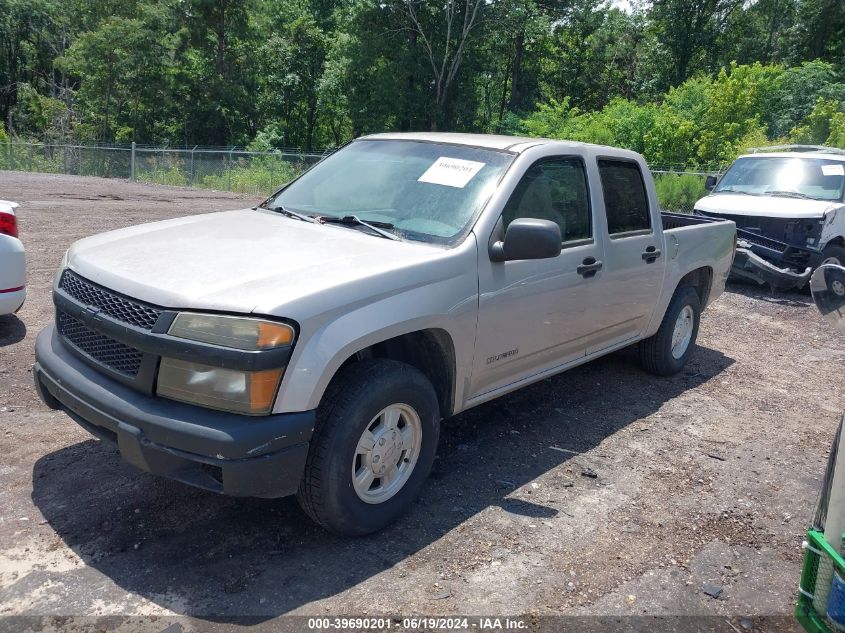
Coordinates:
x,y
372,449
666,353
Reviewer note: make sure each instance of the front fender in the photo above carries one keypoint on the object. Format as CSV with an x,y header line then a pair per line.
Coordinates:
x,y
449,304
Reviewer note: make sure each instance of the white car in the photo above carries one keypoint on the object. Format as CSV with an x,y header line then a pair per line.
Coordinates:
x,y
12,261
789,210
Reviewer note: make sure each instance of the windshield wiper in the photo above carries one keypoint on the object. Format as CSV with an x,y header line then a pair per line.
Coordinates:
x,y
353,220
739,191
292,214
789,194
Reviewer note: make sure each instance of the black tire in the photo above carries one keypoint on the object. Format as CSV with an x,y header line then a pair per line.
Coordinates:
x,y
656,351
834,251
356,395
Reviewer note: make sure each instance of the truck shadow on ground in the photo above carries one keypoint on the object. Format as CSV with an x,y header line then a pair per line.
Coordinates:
x,y
221,559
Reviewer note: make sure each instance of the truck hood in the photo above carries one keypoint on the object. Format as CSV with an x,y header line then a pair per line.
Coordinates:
x,y
769,206
245,261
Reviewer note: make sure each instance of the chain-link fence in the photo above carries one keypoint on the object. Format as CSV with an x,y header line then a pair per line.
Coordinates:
x,y
259,173
678,187
226,169
81,160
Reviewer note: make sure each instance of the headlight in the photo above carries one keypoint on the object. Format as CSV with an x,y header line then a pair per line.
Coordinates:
x,y
250,392
229,331
239,391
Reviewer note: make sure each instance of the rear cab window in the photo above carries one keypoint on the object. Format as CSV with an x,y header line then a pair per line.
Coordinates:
x,y
625,198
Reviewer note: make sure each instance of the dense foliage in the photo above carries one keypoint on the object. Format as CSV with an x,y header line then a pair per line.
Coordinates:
x,y
686,82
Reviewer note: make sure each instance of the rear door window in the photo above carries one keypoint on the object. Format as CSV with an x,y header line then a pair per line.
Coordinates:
x,y
625,199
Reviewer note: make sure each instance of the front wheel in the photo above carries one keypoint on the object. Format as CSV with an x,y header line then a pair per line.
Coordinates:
x,y
666,353
372,449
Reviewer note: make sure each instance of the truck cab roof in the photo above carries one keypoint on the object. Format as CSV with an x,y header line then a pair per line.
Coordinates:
x,y
514,144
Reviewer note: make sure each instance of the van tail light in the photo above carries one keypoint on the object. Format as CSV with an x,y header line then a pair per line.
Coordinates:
x,y
8,224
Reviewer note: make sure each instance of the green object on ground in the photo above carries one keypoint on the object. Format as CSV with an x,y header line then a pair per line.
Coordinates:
x,y
817,548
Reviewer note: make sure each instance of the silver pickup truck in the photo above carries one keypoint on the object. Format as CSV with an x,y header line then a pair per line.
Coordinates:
x,y
312,345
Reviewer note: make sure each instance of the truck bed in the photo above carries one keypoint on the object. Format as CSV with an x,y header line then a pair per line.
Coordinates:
x,y
694,242
678,220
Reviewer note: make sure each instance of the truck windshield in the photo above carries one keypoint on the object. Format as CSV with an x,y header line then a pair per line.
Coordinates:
x,y
417,190
815,178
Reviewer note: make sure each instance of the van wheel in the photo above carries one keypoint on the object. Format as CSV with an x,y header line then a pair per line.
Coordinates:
x,y
372,448
666,353
833,254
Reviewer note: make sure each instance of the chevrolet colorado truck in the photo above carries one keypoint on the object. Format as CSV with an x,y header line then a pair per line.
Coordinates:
x,y
789,209
311,345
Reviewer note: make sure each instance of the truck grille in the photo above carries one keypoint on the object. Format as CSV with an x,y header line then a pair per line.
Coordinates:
x,y
113,354
761,240
110,303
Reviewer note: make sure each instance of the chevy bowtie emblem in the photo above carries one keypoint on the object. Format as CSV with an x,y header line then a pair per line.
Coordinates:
x,y
93,312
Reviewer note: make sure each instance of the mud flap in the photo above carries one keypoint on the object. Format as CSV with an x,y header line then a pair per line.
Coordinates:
x,y
750,266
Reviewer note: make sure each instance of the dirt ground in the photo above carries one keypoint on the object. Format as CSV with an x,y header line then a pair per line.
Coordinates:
x,y
704,480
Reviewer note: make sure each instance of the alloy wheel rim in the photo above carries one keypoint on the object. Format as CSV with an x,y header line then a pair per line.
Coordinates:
x,y
386,453
682,333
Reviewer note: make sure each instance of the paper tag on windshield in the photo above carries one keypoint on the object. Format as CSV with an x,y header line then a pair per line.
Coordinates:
x,y
833,170
452,172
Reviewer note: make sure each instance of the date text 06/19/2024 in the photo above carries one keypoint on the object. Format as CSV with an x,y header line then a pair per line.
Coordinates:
x,y
418,623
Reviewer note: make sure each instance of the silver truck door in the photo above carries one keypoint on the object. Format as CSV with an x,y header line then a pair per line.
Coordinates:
x,y
537,314
634,261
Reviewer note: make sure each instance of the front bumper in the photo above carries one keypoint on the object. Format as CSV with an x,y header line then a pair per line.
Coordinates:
x,y
227,453
748,265
764,259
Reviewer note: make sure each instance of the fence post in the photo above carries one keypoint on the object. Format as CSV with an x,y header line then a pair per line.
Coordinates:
x,y
272,172
192,165
229,171
132,163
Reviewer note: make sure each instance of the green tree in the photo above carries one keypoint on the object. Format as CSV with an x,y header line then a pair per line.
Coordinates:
x,y
291,66
687,30
217,70
445,36
124,67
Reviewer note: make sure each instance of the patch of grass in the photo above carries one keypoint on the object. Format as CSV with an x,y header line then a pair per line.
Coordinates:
x,y
679,193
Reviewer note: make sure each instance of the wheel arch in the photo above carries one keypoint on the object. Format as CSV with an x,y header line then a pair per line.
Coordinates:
x,y
701,280
837,240
430,350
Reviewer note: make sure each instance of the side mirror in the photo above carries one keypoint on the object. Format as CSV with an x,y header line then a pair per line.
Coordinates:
x,y
528,238
710,182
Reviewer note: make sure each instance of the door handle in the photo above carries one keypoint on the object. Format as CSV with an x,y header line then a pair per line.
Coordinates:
x,y
589,267
651,254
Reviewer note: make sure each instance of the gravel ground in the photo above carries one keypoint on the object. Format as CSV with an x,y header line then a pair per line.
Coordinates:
x,y
603,491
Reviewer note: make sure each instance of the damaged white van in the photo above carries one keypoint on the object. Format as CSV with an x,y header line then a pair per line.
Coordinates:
x,y
788,209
